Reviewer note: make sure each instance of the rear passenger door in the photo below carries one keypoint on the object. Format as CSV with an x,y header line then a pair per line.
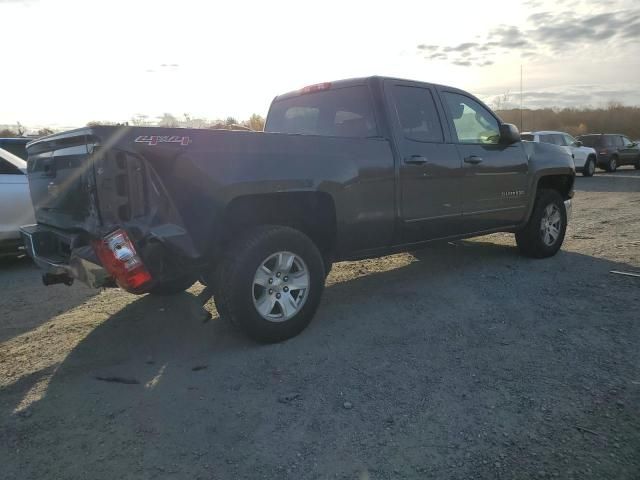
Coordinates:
x,y
494,186
429,169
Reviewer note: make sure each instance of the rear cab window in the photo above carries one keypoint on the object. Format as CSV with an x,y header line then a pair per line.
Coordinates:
x,y
334,112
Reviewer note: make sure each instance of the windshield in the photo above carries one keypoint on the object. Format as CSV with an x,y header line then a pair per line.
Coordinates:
x,y
340,112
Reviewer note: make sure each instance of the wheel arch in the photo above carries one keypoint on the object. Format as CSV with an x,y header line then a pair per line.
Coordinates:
x,y
560,182
311,212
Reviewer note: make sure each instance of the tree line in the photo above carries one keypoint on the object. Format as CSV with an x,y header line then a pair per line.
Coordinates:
x,y
614,118
255,122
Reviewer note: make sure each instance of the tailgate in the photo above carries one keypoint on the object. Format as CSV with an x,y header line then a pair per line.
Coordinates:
x,y
62,181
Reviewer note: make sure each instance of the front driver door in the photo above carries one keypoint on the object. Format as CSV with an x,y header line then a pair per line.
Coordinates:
x,y
429,169
495,175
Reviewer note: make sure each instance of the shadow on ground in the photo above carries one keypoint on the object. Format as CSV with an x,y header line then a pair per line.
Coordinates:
x,y
465,361
21,287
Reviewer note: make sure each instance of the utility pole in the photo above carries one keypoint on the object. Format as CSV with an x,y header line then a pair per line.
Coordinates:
x,y
521,113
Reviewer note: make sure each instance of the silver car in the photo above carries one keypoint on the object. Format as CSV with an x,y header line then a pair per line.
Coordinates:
x,y
584,158
15,202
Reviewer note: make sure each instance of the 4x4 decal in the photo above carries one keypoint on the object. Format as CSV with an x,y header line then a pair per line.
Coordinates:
x,y
156,139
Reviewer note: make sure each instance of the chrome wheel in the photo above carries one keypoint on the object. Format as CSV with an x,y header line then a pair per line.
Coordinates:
x,y
280,286
551,224
591,167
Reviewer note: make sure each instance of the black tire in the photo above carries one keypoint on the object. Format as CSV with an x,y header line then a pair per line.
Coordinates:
x,y
172,287
234,289
328,264
530,239
613,164
589,168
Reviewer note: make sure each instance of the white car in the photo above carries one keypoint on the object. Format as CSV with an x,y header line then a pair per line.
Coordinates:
x,y
15,202
584,158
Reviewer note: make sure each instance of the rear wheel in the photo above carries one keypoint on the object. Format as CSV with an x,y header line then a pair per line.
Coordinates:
x,y
589,168
271,283
544,233
613,164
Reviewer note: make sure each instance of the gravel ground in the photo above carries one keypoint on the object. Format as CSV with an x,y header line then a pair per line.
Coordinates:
x,y
464,360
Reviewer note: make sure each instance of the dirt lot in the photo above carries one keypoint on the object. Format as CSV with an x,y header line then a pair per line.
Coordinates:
x,y
461,361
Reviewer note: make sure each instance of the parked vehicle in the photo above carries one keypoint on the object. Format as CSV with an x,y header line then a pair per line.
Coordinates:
x,y
16,145
584,158
614,150
15,203
345,170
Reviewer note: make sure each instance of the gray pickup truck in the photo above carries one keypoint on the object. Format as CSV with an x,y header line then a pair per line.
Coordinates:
x,y
344,170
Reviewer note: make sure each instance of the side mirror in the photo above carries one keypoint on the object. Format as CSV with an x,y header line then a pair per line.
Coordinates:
x,y
509,134
578,143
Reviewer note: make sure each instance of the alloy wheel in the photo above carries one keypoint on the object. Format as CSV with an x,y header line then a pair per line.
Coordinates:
x,y
550,225
280,286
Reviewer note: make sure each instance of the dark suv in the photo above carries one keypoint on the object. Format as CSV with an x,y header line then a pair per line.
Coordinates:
x,y
614,150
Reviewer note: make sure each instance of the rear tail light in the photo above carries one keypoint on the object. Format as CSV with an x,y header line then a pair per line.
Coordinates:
x,y
119,258
604,151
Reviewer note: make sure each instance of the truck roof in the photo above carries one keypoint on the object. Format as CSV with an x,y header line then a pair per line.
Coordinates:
x,y
349,82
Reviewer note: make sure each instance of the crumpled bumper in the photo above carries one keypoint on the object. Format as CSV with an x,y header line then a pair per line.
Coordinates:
x,y
41,244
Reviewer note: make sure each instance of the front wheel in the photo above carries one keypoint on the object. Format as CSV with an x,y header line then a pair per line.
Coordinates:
x,y
271,283
544,233
589,167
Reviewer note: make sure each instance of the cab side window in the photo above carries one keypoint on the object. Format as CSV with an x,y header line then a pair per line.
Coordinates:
x,y
417,114
569,140
472,122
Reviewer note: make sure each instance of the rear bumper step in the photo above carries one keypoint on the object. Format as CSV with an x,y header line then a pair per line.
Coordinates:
x,y
53,252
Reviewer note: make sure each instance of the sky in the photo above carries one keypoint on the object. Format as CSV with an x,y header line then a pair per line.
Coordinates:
x,y
68,62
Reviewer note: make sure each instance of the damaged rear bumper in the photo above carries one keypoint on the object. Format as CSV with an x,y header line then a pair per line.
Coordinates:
x,y
61,261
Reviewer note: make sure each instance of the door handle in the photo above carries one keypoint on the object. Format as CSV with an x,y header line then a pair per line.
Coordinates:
x,y
415,160
473,160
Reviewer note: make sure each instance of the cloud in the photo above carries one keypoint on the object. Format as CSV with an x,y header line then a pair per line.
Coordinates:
x,y
571,96
557,31
546,32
